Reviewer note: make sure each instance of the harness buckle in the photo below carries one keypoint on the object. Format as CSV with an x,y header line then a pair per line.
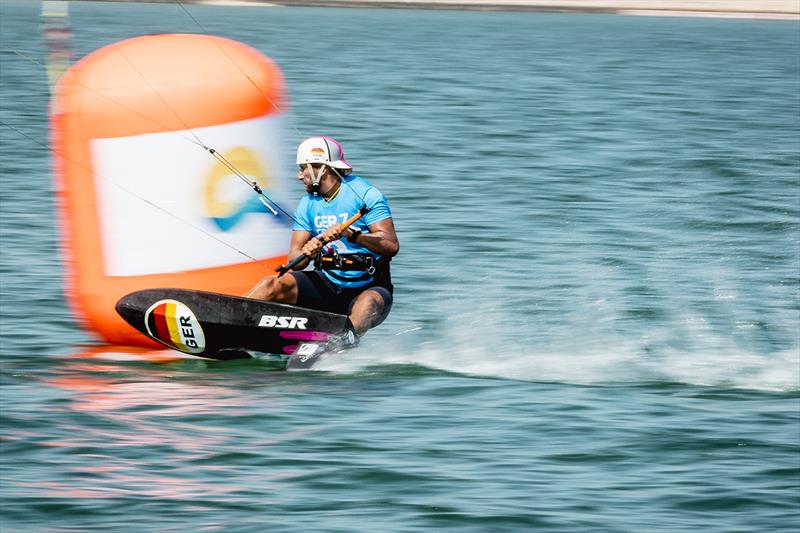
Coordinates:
x,y
371,265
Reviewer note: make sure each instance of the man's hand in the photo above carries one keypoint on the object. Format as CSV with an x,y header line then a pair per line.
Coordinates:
x,y
315,244
334,233
312,247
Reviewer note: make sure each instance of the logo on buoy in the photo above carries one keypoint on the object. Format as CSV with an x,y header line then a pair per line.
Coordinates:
x,y
172,323
226,212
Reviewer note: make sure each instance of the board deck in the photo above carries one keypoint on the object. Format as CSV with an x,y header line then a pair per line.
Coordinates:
x,y
222,327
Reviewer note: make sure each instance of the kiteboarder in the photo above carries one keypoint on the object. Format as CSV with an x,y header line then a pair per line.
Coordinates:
x,y
351,261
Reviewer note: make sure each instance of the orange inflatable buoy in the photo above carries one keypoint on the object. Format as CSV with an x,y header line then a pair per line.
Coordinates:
x,y
143,202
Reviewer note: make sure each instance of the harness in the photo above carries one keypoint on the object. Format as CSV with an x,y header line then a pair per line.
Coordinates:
x,y
366,263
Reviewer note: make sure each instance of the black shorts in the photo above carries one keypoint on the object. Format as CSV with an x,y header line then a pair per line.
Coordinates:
x,y
315,291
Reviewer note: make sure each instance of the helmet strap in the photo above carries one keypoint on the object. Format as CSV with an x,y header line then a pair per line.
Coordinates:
x,y
315,178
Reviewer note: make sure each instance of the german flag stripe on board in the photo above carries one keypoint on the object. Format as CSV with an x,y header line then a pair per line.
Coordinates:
x,y
174,324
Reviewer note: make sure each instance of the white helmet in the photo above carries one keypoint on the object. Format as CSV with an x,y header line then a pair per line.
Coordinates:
x,y
323,150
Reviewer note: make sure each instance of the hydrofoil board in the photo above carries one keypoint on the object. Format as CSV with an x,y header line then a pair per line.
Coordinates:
x,y
222,327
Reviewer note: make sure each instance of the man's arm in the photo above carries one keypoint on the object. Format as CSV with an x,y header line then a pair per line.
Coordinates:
x,y
381,238
297,245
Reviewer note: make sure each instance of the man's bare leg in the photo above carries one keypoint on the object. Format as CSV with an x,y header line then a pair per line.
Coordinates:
x,y
275,289
366,310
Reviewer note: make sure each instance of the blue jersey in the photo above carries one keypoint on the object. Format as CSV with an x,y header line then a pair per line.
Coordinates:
x,y
315,215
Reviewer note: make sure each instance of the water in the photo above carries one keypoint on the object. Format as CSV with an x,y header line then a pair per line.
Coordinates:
x,y
597,323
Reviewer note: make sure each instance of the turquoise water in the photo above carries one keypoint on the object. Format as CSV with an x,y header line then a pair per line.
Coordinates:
x,y
597,323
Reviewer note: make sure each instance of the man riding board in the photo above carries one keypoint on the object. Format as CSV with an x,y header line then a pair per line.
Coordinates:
x,y
351,266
